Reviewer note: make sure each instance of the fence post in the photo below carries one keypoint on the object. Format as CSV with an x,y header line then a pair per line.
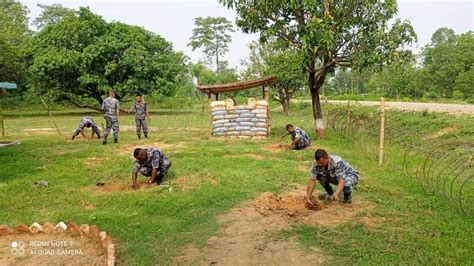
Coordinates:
x,y
382,130
348,119
3,124
50,114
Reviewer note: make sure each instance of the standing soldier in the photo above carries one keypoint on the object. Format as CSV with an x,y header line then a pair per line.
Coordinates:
x,y
141,114
111,114
86,122
299,139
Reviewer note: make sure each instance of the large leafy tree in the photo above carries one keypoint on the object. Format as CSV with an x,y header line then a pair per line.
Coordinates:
x,y
14,35
269,59
51,14
82,56
212,35
331,33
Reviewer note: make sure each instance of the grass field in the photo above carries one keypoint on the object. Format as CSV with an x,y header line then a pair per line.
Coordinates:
x,y
210,177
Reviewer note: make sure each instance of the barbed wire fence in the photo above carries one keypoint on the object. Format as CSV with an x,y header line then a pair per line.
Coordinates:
x,y
443,161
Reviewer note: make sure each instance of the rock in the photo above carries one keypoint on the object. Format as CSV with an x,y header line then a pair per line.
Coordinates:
x,y
60,228
36,228
22,229
73,228
48,228
84,229
94,232
5,230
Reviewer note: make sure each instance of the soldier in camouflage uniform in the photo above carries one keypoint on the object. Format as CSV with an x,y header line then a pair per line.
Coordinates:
x,y
150,162
111,113
141,113
86,122
300,140
332,169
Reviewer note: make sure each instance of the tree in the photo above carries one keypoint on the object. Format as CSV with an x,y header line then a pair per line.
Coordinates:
x,y
82,56
269,59
212,35
51,14
13,36
350,33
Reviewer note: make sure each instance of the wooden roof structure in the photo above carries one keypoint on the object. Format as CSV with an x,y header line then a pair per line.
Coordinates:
x,y
238,86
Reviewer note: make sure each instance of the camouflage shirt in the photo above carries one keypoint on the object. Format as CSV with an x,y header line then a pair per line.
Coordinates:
x,y
337,168
140,110
155,159
111,107
301,134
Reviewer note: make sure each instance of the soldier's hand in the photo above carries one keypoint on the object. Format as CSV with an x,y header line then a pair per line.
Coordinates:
x,y
335,197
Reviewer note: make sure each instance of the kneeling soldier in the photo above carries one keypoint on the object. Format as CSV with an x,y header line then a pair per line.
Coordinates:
x,y
151,163
331,169
86,122
300,140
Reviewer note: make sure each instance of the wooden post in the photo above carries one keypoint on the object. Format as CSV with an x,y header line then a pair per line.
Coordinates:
x,y
266,94
50,114
382,130
217,96
3,123
347,130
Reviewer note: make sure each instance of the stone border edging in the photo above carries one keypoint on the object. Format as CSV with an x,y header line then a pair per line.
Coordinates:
x,y
91,231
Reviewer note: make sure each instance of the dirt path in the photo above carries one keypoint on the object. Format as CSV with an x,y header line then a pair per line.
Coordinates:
x,y
454,109
251,233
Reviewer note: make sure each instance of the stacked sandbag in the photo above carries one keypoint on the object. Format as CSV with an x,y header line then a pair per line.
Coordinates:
x,y
248,121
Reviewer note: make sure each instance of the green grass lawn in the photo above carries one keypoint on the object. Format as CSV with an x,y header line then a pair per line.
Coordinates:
x,y
152,226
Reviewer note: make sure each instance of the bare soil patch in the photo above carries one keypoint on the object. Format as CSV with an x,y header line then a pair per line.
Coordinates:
x,y
54,249
443,132
192,182
94,161
246,234
275,147
109,187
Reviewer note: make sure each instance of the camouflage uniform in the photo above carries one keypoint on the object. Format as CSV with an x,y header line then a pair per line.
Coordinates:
x,y
82,125
304,139
336,169
140,118
155,159
111,109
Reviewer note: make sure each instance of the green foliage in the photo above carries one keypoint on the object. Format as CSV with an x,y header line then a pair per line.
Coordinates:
x,y
52,14
82,56
269,59
14,35
211,34
329,33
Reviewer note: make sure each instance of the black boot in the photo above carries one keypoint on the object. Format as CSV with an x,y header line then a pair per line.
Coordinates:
x,y
115,140
98,136
104,142
159,178
347,198
73,137
139,137
146,135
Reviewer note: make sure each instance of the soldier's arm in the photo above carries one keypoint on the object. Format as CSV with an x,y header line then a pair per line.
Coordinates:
x,y
154,173
340,186
310,190
134,180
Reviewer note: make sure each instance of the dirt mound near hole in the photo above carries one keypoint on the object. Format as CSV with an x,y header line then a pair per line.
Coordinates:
x,y
249,233
290,204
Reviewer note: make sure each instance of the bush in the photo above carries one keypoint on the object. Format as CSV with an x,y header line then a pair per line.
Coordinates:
x,y
458,95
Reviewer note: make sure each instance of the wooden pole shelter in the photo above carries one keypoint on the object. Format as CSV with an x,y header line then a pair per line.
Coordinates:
x,y
3,123
347,129
382,130
50,114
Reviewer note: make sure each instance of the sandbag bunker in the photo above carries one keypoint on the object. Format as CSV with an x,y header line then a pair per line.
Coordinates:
x,y
249,121
245,121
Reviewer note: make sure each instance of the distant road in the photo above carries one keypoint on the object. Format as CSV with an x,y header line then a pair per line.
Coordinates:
x,y
455,109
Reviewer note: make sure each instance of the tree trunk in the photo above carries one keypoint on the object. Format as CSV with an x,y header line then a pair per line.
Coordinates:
x,y
314,86
285,103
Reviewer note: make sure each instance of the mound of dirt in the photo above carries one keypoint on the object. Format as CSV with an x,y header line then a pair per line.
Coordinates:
x,y
290,205
247,235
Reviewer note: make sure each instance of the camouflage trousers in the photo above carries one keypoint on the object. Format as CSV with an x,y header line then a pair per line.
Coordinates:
x,y
140,125
111,123
163,170
81,127
350,183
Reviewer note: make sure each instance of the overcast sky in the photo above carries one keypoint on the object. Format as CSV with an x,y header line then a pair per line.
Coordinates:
x,y
173,19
